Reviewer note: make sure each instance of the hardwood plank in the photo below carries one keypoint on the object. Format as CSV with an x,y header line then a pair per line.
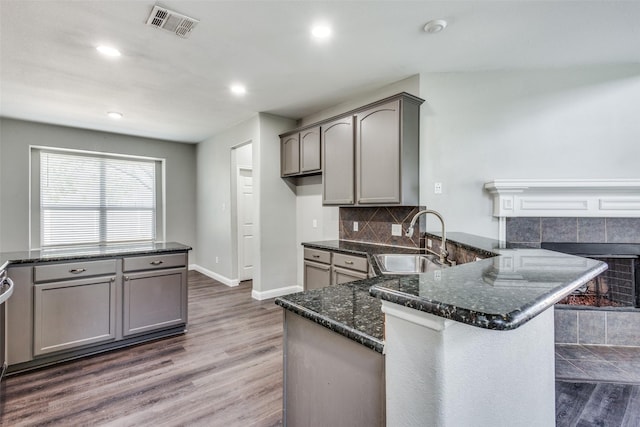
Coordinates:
x,y
571,399
226,370
607,405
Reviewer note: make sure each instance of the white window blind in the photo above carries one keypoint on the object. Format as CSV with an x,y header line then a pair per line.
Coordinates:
x,y
92,199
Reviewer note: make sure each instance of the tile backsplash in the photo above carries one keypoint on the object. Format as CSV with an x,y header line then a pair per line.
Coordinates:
x,y
374,225
531,231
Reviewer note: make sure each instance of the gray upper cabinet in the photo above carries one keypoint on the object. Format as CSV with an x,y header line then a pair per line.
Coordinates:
x,y
300,153
378,153
338,162
370,156
290,154
310,150
388,153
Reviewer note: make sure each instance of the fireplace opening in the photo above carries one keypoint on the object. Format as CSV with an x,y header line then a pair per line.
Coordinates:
x,y
618,286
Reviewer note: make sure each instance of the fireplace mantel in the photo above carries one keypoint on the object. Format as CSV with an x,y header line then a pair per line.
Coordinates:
x,y
565,197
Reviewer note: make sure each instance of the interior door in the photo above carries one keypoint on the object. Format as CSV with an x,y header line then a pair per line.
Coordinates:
x,y
245,223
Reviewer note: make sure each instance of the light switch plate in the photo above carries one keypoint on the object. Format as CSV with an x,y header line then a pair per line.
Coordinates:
x,y
396,230
355,225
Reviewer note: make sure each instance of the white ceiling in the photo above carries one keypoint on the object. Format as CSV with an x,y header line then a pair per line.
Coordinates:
x,y
178,89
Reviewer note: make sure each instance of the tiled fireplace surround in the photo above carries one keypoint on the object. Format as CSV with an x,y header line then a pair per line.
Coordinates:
x,y
584,325
604,211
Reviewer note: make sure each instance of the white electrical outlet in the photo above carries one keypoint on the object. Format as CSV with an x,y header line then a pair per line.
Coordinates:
x,y
396,230
355,225
429,243
437,188
437,275
314,223
217,260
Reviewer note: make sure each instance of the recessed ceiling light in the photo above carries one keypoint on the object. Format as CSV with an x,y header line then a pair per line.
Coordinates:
x,y
435,26
321,31
238,89
108,51
115,115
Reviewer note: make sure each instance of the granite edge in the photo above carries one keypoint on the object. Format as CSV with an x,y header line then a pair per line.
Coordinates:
x,y
340,328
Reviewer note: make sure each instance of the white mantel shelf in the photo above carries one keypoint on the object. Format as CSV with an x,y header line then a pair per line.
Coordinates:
x,y
565,197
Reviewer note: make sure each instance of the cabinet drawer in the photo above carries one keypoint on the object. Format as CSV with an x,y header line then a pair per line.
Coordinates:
x,y
317,255
351,262
73,270
153,262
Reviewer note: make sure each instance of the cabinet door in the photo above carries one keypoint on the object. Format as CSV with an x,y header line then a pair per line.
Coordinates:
x,y
154,300
341,275
338,162
73,314
378,154
316,275
290,154
310,150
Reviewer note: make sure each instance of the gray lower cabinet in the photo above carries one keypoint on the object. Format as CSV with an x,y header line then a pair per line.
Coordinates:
x,y
343,275
338,162
317,268
154,300
316,275
324,268
74,313
63,310
330,380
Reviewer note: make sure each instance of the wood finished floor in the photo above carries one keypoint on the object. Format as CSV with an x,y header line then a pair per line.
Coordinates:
x,y
226,371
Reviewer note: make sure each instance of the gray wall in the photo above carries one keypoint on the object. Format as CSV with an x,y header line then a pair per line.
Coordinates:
x,y
481,126
215,223
276,213
16,137
274,206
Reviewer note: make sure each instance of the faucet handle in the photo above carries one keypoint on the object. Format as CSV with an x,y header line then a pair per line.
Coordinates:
x,y
409,232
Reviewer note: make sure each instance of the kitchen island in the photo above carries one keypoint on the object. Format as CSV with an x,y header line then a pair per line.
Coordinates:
x,y
466,345
71,302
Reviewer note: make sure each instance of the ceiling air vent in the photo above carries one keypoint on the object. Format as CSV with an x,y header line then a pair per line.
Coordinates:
x,y
169,20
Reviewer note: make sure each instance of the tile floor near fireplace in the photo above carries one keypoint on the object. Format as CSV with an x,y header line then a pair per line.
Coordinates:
x,y
613,364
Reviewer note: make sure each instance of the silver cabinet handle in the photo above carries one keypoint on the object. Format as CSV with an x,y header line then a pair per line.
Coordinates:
x,y
348,262
126,278
316,256
77,270
156,262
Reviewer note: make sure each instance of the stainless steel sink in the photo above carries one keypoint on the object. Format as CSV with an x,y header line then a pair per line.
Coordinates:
x,y
407,263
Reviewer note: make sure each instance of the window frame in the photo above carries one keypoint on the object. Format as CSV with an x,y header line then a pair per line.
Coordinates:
x,y
35,220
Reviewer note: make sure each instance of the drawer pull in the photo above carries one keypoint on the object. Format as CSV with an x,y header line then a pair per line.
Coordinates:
x,y
77,270
156,262
316,256
126,278
349,262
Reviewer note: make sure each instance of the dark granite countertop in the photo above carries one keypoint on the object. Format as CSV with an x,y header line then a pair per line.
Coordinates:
x,y
88,252
500,293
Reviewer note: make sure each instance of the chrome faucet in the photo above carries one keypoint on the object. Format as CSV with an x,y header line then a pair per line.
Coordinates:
x,y
443,245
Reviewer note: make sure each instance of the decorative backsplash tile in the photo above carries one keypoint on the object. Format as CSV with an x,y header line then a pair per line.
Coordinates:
x,y
374,225
531,231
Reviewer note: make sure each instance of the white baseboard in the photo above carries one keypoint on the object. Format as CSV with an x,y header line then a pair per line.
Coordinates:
x,y
273,293
215,276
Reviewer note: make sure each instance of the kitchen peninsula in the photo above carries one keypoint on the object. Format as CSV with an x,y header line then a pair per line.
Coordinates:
x,y
72,302
471,344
